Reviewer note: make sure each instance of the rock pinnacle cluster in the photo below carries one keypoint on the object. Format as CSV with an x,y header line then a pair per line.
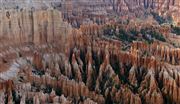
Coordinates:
x,y
89,52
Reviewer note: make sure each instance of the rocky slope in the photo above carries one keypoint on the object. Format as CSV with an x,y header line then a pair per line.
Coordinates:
x,y
44,60
99,11
164,8
79,12
91,69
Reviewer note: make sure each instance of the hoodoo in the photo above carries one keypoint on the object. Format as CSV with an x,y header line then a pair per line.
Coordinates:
x,y
89,52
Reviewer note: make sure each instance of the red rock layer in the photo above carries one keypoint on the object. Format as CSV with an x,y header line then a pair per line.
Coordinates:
x,y
92,68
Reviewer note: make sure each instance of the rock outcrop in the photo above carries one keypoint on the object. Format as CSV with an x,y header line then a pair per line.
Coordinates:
x,y
44,60
33,26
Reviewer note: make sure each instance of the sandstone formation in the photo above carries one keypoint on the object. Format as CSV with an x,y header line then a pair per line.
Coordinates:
x,y
88,11
28,26
94,72
79,12
45,60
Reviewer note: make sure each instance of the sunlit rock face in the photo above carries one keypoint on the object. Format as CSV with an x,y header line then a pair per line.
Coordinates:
x,y
33,26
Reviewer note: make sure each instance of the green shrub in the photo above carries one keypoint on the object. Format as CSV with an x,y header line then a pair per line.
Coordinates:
x,y
176,30
154,34
124,36
134,32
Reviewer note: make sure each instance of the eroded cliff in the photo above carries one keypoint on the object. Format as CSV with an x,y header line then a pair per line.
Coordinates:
x,y
44,60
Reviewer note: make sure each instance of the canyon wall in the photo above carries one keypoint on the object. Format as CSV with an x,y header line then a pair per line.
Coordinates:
x,y
79,12
32,26
86,66
92,69
100,11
